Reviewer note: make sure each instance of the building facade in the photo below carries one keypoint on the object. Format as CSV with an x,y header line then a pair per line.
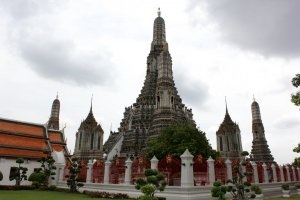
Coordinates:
x,y
29,140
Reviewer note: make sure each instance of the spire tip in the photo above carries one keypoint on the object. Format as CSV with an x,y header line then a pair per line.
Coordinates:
x,y
158,12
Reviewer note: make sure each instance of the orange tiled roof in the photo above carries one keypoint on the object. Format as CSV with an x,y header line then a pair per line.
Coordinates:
x,y
20,153
55,136
22,139
22,128
19,141
57,147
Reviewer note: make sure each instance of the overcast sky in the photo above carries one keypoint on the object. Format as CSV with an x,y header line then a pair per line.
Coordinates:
x,y
219,48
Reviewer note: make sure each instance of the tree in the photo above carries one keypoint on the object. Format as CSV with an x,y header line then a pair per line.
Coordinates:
x,y
20,172
74,170
239,189
297,159
1,176
154,181
47,167
295,98
176,138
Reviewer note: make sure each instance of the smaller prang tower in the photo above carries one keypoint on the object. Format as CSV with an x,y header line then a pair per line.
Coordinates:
x,y
89,139
53,122
229,142
260,149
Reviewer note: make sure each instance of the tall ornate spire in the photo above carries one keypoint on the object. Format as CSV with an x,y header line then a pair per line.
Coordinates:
x,y
53,122
260,149
157,106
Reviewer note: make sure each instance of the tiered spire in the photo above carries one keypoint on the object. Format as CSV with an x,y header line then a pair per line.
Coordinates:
x,y
53,122
158,105
260,149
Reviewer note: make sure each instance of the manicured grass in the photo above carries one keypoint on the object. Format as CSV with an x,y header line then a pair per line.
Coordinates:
x,y
40,195
294,197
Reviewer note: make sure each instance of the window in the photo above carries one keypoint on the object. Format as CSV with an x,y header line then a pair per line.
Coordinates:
x,y
92,141
221,143
79,146
99,140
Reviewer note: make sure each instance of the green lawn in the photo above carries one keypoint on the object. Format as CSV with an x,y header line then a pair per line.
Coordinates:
x,y
40,195
281,198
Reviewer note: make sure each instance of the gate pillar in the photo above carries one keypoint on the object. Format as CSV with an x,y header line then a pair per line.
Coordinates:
x,y
243,170
255,172
281,174
128,165
288,173
266,178
294,173
154,163
106,172
60,170
229,169
211,170
187,172
275,179
89,172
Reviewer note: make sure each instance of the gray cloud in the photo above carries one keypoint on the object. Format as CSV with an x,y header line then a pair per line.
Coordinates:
x,y
269,27
193,93
287,122
58,60
20,9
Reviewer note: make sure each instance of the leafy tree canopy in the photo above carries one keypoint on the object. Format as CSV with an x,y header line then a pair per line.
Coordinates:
x,y
176,138
296,96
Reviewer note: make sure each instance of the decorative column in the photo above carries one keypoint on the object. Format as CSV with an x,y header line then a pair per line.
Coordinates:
x,y
128,165
60,170
211,170
243,170
154,163
294,173
255,173
106,172
288,173
298,173
229,169
275,180
266,178
187,172
89,172
281,174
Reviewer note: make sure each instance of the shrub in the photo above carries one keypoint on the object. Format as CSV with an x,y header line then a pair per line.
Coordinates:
x,y
256,189
238,188
1,176
73,181
154,181
107,195
20,173
52,187
285,186
37,178
297,185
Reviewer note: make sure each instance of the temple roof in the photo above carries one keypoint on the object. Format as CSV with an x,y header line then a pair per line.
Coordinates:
x,y
90,121
227,126
28,140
